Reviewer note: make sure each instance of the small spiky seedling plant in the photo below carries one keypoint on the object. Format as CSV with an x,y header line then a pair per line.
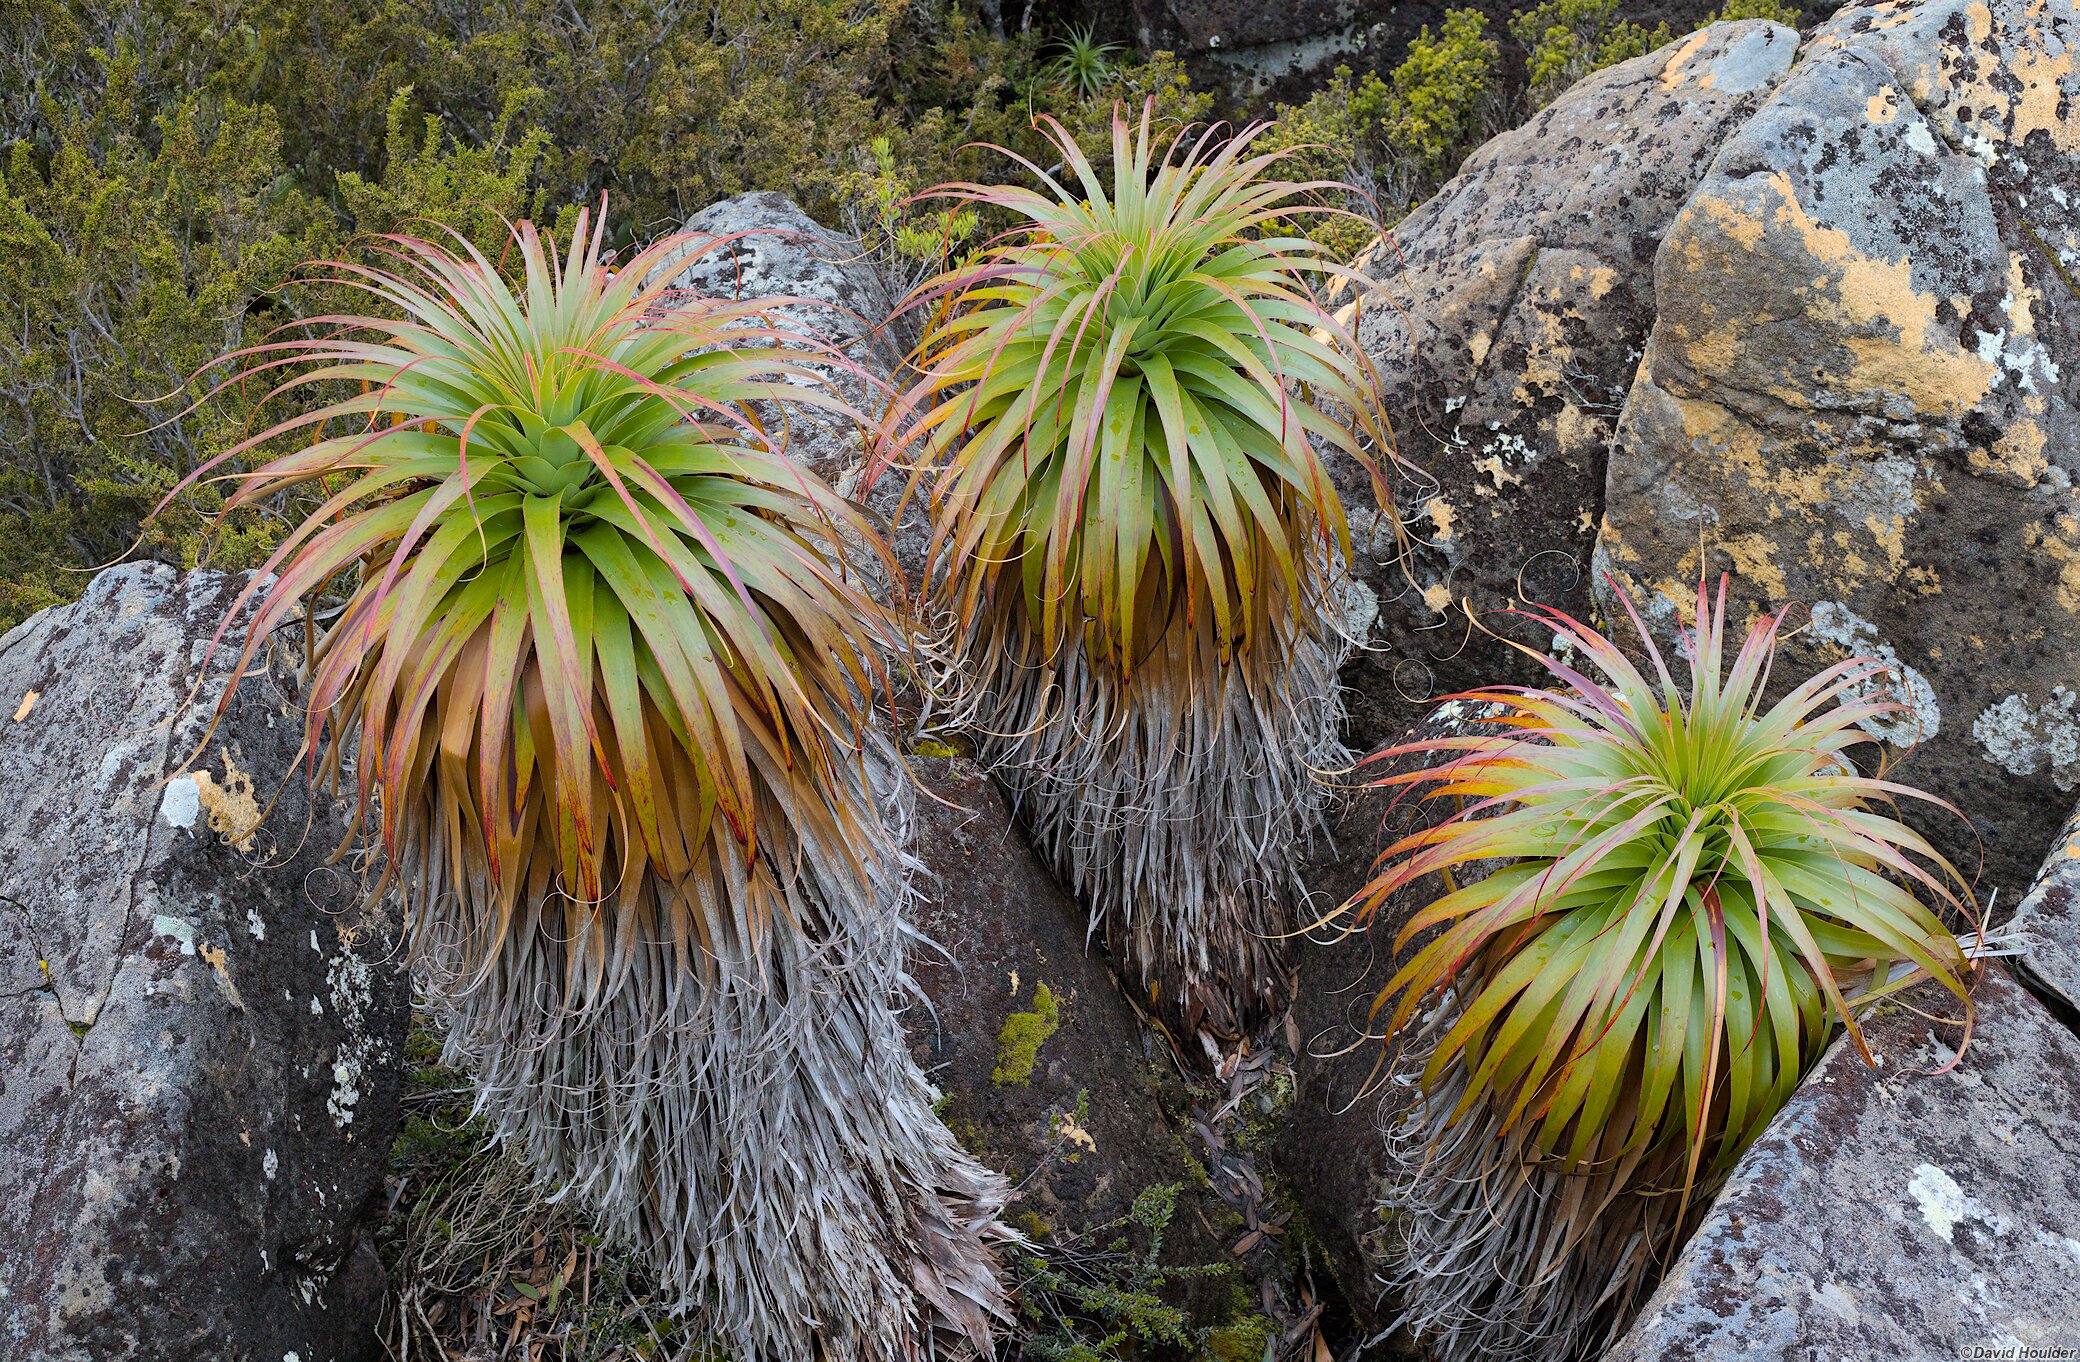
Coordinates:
x,y
605,679
1135,539
1082,63
1695,890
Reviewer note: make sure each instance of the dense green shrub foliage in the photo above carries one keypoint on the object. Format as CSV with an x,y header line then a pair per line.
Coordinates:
x,y
133,250
1431,110
1565,40
164,166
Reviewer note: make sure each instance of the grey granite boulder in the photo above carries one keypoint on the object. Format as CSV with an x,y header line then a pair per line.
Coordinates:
x,y
1897,1213
762,244
198,1027
1508,315
1862,393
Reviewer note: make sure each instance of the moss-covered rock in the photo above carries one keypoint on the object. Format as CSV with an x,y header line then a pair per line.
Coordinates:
x,y
1048,1073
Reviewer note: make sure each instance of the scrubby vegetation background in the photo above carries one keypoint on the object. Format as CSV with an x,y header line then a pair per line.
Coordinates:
x,y
166,165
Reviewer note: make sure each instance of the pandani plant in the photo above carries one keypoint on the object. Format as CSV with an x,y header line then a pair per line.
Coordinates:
x,y
1081,63
602,682
1688,893
1120,412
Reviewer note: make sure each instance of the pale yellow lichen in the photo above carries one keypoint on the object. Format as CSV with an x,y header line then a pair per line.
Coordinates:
x,y
234,815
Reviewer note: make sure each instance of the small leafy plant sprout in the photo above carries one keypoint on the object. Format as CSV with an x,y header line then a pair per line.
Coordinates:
x,y
1083,65
1691,891
1120,417
602,680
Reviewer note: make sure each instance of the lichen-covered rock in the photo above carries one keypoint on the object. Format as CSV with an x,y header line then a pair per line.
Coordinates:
x,y
1902,1212
765,245
1509,314
198,1027
2047,927
1862,391
1896,1212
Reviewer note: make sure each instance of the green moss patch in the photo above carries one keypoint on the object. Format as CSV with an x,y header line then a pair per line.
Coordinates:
x,y
1022,1035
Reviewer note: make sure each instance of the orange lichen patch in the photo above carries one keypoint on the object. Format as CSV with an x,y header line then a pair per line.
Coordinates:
x,y
1601,279
1576,431
2059,545
215,958
1793,501
1890,342
1978,20
1754,560
1499,471
1853,565
1744,229
1918,360
1677,71
1884,106
2020,304
1444,517
1546,358
1751,556
234,815
1438,597
1879,18
1891,535
2019,453
2012,92
1736,447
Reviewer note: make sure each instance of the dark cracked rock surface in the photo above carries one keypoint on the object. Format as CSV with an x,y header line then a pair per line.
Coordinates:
x,y
1330,1150
1096,1119
198,1030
